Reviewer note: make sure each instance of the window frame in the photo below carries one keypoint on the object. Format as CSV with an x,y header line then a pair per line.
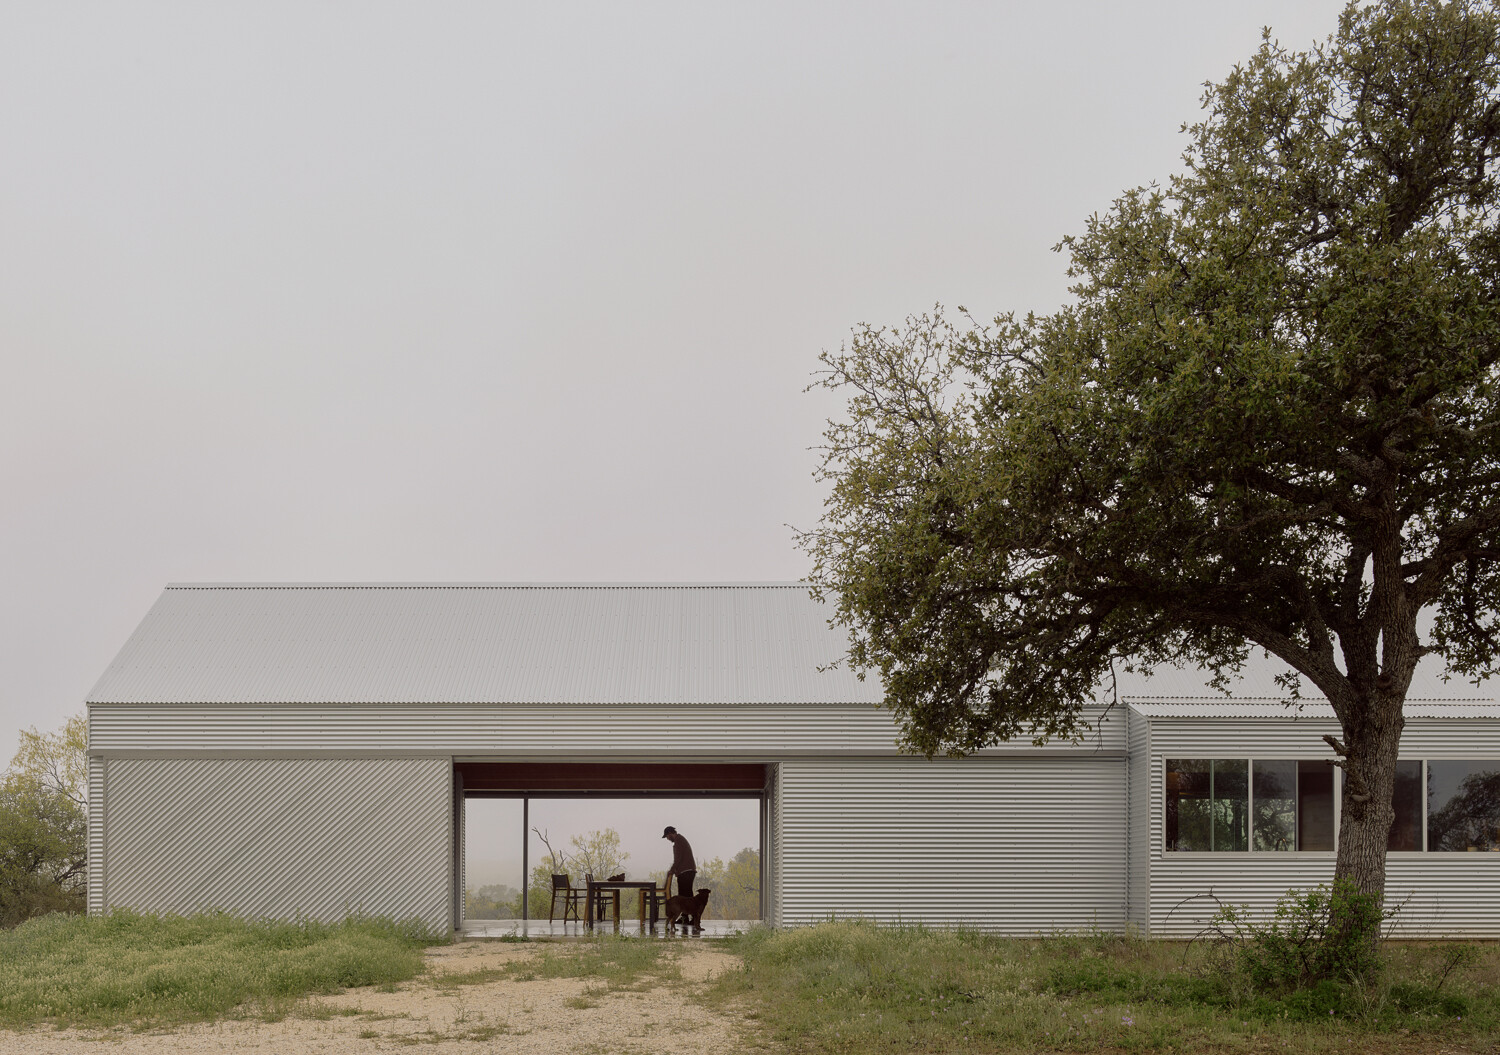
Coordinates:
x,y
1250,760
1423,806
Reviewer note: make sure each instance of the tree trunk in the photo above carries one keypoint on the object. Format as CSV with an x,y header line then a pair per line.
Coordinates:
x,y
1369,753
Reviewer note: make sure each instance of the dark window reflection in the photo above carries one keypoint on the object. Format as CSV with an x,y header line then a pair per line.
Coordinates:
x,y
1274,784
1189,794
1463,805
1231,804
1406,831
1314,806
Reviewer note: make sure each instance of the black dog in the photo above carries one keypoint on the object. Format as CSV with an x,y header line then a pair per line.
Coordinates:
x,y
687,911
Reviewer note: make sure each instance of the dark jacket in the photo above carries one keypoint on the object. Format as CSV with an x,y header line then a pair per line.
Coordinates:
x,y
682,857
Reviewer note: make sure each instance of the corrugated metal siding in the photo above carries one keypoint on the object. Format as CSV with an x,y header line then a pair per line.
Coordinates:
x,y
773,845
570,731
1308,710
95,848
1138,791
484,643
281,837
1257,679
1014,845
1451,895
1303,738
460,852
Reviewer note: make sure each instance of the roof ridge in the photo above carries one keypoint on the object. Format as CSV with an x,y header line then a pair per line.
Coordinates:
x,y
768,585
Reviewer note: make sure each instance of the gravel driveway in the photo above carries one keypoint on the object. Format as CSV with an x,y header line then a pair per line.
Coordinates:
x,y
544,1015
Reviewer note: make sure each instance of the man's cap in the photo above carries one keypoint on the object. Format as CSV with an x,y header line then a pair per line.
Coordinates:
x,y
668,830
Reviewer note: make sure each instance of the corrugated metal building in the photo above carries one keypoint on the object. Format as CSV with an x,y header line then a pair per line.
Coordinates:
x,y
286,749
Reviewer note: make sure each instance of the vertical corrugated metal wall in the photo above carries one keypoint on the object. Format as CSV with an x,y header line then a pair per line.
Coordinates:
x,y
773,848
1012,845
282,837
460,852
1138,843
95,847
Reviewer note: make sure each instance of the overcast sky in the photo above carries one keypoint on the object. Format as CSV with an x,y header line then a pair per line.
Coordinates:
x,y
503,292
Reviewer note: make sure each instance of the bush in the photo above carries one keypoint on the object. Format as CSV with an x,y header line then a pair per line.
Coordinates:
x,y
1314,936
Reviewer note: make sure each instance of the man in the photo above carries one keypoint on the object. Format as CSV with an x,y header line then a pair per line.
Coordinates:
x,y
683,865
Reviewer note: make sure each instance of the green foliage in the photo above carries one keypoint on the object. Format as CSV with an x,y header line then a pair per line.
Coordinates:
x,y
42,837
493,901
859,988
735,885
596,852
1314,936
56,762
1293,336
44,825
142,970
1270,418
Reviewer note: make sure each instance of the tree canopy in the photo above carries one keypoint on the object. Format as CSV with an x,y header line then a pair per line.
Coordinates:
x,y
44,824
1267,419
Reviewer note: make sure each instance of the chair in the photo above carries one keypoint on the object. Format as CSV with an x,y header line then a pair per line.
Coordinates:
x,y
656,897
601,898
572,896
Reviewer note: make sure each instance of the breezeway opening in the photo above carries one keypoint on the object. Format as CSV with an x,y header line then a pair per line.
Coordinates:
x,y
514,820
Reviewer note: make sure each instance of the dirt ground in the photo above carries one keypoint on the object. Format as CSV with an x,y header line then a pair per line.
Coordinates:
x,y
569,1016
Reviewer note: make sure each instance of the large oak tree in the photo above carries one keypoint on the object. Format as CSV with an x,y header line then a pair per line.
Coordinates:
x,y
1267,419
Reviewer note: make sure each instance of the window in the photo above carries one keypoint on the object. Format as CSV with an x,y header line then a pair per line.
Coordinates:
x,y
1207,804
1236,804
1406,830
1274,787
1314,806
1272,805
1463,805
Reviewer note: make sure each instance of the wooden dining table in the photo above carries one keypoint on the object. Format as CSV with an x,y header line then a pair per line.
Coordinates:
x,y
651,896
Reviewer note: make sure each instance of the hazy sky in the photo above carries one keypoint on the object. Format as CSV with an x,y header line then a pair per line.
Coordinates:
x,y
506,292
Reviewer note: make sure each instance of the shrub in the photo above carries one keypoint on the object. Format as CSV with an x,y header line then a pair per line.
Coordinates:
x,y
1314,936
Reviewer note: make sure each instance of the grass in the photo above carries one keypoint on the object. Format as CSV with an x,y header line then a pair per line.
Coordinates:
x,y
145,971
622,964
856,988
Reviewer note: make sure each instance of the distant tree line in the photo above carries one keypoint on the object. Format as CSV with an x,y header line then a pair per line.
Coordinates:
x,y
44,825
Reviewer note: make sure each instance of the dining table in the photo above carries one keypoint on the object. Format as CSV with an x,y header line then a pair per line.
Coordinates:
x,y
651,898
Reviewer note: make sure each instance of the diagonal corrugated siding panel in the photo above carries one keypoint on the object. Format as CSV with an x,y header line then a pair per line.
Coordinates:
x,y
1138,790
96,836
1013,845
762,643
560,730
281,837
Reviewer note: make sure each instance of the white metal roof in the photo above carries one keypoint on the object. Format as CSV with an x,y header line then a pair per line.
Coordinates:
x,y
1220,707
668,643
1179,692
495,643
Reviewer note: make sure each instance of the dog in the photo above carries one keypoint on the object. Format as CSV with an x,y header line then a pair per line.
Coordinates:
x,y
616,878
687,910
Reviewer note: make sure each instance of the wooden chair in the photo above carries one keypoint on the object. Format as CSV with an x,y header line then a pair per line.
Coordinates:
x,y
601,898
572,897
660,897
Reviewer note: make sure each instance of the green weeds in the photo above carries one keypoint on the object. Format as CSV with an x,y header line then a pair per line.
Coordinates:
x,y
847,987
621,963
143,971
